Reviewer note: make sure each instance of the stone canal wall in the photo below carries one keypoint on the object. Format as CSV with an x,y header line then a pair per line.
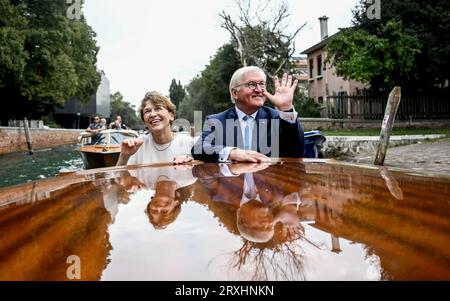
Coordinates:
x,y
12,139
348,146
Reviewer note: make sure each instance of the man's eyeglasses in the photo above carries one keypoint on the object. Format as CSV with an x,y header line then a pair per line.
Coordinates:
x,y
253,85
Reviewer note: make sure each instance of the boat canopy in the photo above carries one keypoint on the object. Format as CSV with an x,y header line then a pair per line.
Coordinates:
x,y
107,137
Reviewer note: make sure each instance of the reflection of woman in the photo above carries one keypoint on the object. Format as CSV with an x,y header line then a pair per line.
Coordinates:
x,y
165,205
162,145
172,185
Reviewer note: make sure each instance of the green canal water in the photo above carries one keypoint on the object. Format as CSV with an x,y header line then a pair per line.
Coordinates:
x,y
21,167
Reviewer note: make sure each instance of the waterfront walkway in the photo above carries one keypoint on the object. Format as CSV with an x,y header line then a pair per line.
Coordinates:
x,y
433,157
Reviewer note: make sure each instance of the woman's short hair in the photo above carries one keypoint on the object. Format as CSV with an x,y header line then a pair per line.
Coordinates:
x,y
239,74
162,220
157,100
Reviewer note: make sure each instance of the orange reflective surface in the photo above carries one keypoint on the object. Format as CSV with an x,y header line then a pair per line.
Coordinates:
x,y
290,220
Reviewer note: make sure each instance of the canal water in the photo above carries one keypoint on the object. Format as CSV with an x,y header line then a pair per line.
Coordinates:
x,y
21,167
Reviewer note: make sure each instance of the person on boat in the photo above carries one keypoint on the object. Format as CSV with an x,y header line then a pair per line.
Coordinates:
x,y
116,125
95,128
121,125
161,144
103,123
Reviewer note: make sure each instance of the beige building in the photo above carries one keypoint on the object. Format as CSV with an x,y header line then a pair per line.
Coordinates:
x,y
300,72
324,85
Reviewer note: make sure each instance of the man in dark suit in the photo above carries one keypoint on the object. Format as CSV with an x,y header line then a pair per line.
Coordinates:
x,y
251,132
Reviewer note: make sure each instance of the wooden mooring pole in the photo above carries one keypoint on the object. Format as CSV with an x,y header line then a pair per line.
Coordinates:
x,y
387,125
28,136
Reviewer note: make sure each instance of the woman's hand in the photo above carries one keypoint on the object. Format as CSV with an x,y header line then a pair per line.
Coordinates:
x,y
128,148
182,159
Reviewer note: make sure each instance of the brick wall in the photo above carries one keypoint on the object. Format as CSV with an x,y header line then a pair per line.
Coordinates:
x,y
12,139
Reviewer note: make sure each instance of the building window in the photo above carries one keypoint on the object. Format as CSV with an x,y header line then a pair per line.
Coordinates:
x,y
311,68
321,100
319,66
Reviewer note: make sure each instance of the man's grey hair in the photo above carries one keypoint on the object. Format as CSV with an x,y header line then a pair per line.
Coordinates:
x,y
239,74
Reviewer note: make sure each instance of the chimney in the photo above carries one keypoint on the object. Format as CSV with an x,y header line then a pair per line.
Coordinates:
x,y
323,27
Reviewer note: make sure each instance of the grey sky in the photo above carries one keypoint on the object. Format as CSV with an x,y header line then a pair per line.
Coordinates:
x,y
145,44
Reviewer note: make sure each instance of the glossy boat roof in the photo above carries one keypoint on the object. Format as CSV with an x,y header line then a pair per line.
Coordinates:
x,y
289,220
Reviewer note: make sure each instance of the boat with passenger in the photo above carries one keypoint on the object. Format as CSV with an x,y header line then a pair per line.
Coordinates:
x,y
102,149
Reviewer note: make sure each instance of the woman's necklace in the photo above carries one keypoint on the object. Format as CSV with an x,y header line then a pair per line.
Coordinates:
x,y
162,147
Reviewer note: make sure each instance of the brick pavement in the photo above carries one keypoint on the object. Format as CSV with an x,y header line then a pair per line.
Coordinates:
x,y
433,157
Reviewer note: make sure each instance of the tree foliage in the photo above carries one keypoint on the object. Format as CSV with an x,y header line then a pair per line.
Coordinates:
x,y
259,35
124,109
176,92
413,33
306,106
45,58
256,40
384,59
209,91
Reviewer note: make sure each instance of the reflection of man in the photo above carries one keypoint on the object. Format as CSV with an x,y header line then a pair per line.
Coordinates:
x,y
262,198
255,221
250,132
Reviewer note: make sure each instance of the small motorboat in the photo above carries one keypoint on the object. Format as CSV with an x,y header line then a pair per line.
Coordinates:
x,y
313,144
103,149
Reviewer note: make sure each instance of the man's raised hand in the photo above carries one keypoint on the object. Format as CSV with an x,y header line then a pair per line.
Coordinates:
x,y
284,92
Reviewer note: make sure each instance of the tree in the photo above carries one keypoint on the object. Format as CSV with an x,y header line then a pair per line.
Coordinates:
x,y
124,109
255,40
176,92
384,60
420,27
261,41
209,92
306,106
12,36
45,58
260,38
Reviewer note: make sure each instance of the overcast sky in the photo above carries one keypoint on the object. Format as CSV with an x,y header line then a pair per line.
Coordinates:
x,y
144,44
